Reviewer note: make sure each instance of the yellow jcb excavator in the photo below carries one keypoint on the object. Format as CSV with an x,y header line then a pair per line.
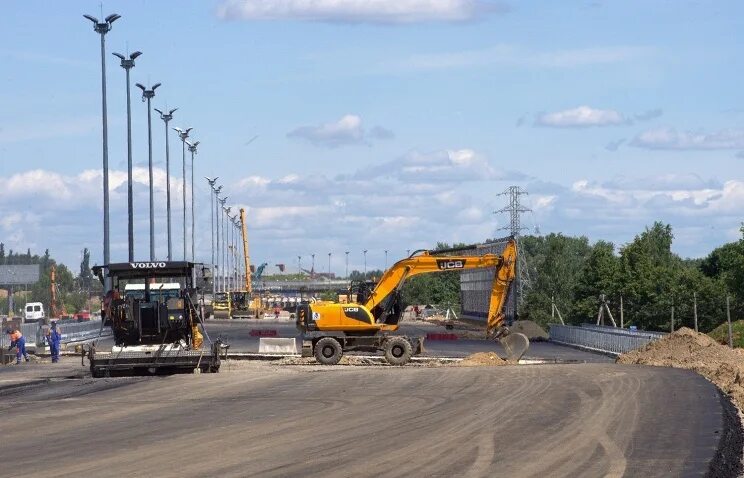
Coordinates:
x,y
329,328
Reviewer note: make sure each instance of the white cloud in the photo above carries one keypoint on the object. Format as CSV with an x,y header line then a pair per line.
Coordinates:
x,y
670,138
359,11
580,117
409,203
439,166
346,131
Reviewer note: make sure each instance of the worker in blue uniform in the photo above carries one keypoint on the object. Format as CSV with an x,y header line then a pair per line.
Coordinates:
x,y
54,338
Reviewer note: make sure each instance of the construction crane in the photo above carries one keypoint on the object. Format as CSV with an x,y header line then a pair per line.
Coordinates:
x,y
56,308
329,329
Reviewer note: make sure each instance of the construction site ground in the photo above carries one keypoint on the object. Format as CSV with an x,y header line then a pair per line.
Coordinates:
x,y
439,416
264,419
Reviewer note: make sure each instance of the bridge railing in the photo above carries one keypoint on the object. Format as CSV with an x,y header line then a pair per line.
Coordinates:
x,y
608,340
71,332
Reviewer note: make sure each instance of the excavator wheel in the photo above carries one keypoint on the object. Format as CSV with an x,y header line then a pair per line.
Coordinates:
x,y
328,351
398,351
515,344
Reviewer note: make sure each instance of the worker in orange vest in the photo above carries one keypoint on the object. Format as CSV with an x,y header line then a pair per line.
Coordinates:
x,y
19,342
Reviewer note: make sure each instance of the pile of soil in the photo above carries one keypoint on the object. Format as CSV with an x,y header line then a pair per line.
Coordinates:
x,y
688,349
529,328
482,359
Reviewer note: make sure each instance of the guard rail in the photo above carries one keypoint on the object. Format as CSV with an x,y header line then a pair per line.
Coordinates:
x,y
608,340
71,332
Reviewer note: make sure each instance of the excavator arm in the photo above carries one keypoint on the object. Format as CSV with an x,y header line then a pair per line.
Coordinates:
x,y
425,263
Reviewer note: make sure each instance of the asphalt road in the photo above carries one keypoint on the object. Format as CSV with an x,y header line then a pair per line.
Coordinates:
x,y
237,334
255,419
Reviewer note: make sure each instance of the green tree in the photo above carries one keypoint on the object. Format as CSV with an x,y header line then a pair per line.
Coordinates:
x,y
600,276
555,263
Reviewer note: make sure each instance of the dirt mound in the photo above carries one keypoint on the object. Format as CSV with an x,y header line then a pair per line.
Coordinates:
x,y
483,358
688,349
529,328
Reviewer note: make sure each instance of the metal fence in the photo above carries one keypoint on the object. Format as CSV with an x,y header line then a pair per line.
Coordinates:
x,y
631,332
71,332
609,340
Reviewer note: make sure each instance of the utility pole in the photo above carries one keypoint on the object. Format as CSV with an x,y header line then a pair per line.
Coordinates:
x,y
149,95
329,265
102,28
128,64
386,251
365,264
347,263
694,310
515,211
166,117
728,318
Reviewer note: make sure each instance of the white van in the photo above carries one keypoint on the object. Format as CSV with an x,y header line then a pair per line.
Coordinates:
x,y
34,312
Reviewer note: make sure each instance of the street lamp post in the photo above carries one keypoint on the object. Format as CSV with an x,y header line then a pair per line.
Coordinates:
x,y
211,208
225,242
217,202
230,251
192,149
365,264
102,28
128,64
149,95
299,265
312,265
238,249
221,238
347,263
329,265
183,134
386,259
166,117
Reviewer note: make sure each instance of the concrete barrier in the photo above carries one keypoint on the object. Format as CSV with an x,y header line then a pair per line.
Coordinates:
x,y
269,345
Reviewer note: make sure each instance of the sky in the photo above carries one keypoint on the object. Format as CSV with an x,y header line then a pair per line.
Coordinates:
x,y
375,124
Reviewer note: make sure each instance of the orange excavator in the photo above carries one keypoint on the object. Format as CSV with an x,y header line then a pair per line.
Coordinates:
x,y
329,329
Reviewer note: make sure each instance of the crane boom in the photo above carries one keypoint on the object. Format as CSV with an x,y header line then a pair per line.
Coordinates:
x,y
246,256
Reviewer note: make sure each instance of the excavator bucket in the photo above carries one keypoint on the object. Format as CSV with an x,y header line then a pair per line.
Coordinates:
x,y
515,344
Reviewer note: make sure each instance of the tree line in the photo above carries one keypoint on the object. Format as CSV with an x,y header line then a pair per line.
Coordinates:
x,y
650,278
74,290
645,273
